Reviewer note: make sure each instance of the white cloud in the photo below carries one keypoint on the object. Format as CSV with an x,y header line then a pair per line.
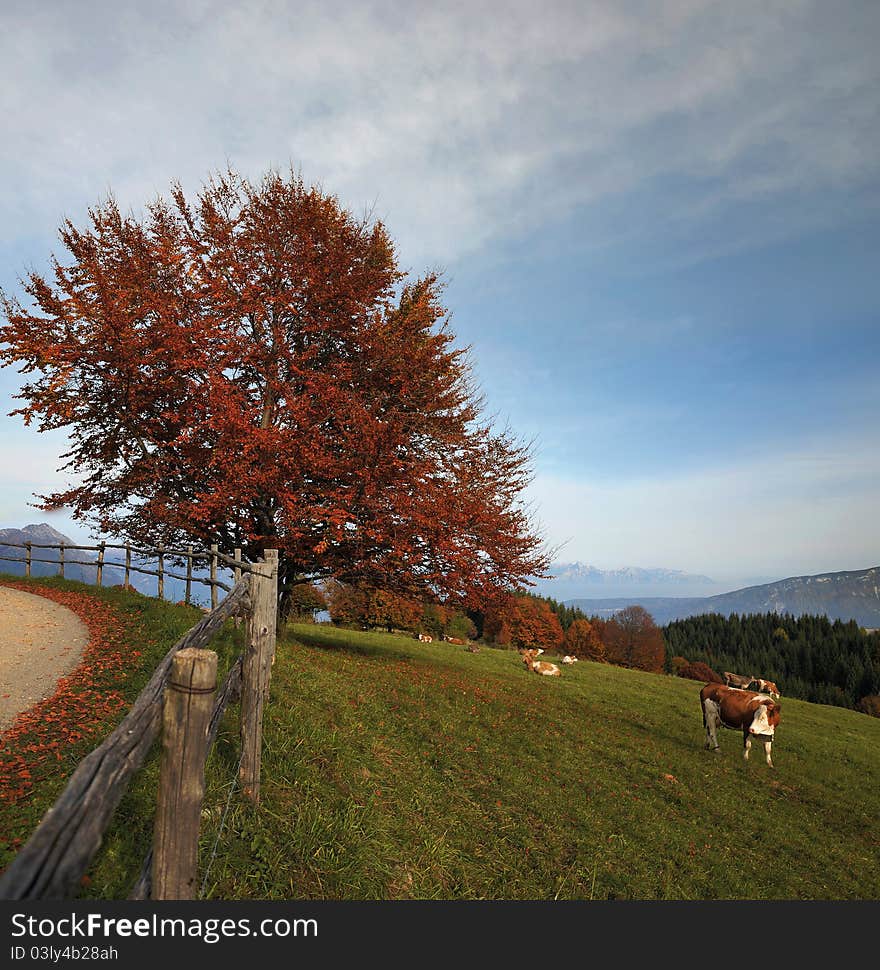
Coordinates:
x,y
465,122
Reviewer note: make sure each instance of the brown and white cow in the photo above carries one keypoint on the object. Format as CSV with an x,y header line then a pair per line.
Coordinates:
x,y
425,638
568,660
539,666
756,715
735,680
766,687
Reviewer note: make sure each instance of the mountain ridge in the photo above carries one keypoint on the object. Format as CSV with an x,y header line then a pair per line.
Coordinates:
x,y
570,579
844,595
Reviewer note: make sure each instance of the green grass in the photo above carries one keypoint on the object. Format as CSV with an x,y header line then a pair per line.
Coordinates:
x,y
396,769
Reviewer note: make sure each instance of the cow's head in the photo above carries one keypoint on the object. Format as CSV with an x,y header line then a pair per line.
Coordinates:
x,y
765,719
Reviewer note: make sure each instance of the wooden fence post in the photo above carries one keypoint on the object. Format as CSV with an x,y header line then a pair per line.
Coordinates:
x,y
236,576
258,655
100,575
127,564
189,573
213,576
270,556
27,562
161,584
61,560
188,701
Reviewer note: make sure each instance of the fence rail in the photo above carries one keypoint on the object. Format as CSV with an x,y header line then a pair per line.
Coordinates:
x,y
52,863
212,558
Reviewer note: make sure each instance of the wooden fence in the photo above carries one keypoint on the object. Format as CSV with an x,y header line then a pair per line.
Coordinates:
x,y
180,702
160,553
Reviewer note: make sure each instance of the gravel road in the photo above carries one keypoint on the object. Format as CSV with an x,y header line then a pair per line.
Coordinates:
x,y
40,642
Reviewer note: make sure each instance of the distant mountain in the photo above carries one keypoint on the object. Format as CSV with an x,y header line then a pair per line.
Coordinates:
x,y
44,533
75,568
574,579
852,595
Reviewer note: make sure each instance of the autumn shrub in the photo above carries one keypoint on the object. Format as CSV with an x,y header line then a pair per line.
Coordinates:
x,y
869,705
434,619
699,671
462,627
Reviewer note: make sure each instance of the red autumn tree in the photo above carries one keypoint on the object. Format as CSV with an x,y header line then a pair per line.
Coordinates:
x,y
632,639
306,600
346,604
252,368
581,640
369,607
523,621
391,611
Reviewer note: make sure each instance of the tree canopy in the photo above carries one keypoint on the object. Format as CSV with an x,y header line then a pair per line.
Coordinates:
x,y
632,639
253,368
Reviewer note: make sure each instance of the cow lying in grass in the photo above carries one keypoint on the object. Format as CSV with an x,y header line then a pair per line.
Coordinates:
x,y
568,660
539,666
424,638
756,715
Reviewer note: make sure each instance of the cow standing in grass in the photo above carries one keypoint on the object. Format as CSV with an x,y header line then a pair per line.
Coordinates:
x,y
765,687
756,715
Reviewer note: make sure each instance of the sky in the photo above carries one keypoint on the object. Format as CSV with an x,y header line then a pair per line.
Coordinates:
x,y
658,223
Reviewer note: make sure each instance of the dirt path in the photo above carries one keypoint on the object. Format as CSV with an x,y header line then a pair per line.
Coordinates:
x,y
40,642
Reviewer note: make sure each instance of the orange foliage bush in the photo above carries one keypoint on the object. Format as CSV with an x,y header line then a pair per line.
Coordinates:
x,y
699,671
582,640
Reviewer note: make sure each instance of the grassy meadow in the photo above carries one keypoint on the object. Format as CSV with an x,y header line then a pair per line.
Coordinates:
x,y
394,769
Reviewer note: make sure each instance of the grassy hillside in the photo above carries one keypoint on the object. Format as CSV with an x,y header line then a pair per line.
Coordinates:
x,y
394,769
398,769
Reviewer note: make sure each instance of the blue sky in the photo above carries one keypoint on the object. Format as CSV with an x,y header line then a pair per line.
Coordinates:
x,y
658,222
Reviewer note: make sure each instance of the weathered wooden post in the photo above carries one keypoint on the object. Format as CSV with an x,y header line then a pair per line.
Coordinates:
x,y
127,564
100,576
61,560
161,584
236,576
187,705
27,562
189,573
214,576
256,664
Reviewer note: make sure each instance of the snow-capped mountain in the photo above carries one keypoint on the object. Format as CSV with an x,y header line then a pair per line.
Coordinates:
x,y
577,579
